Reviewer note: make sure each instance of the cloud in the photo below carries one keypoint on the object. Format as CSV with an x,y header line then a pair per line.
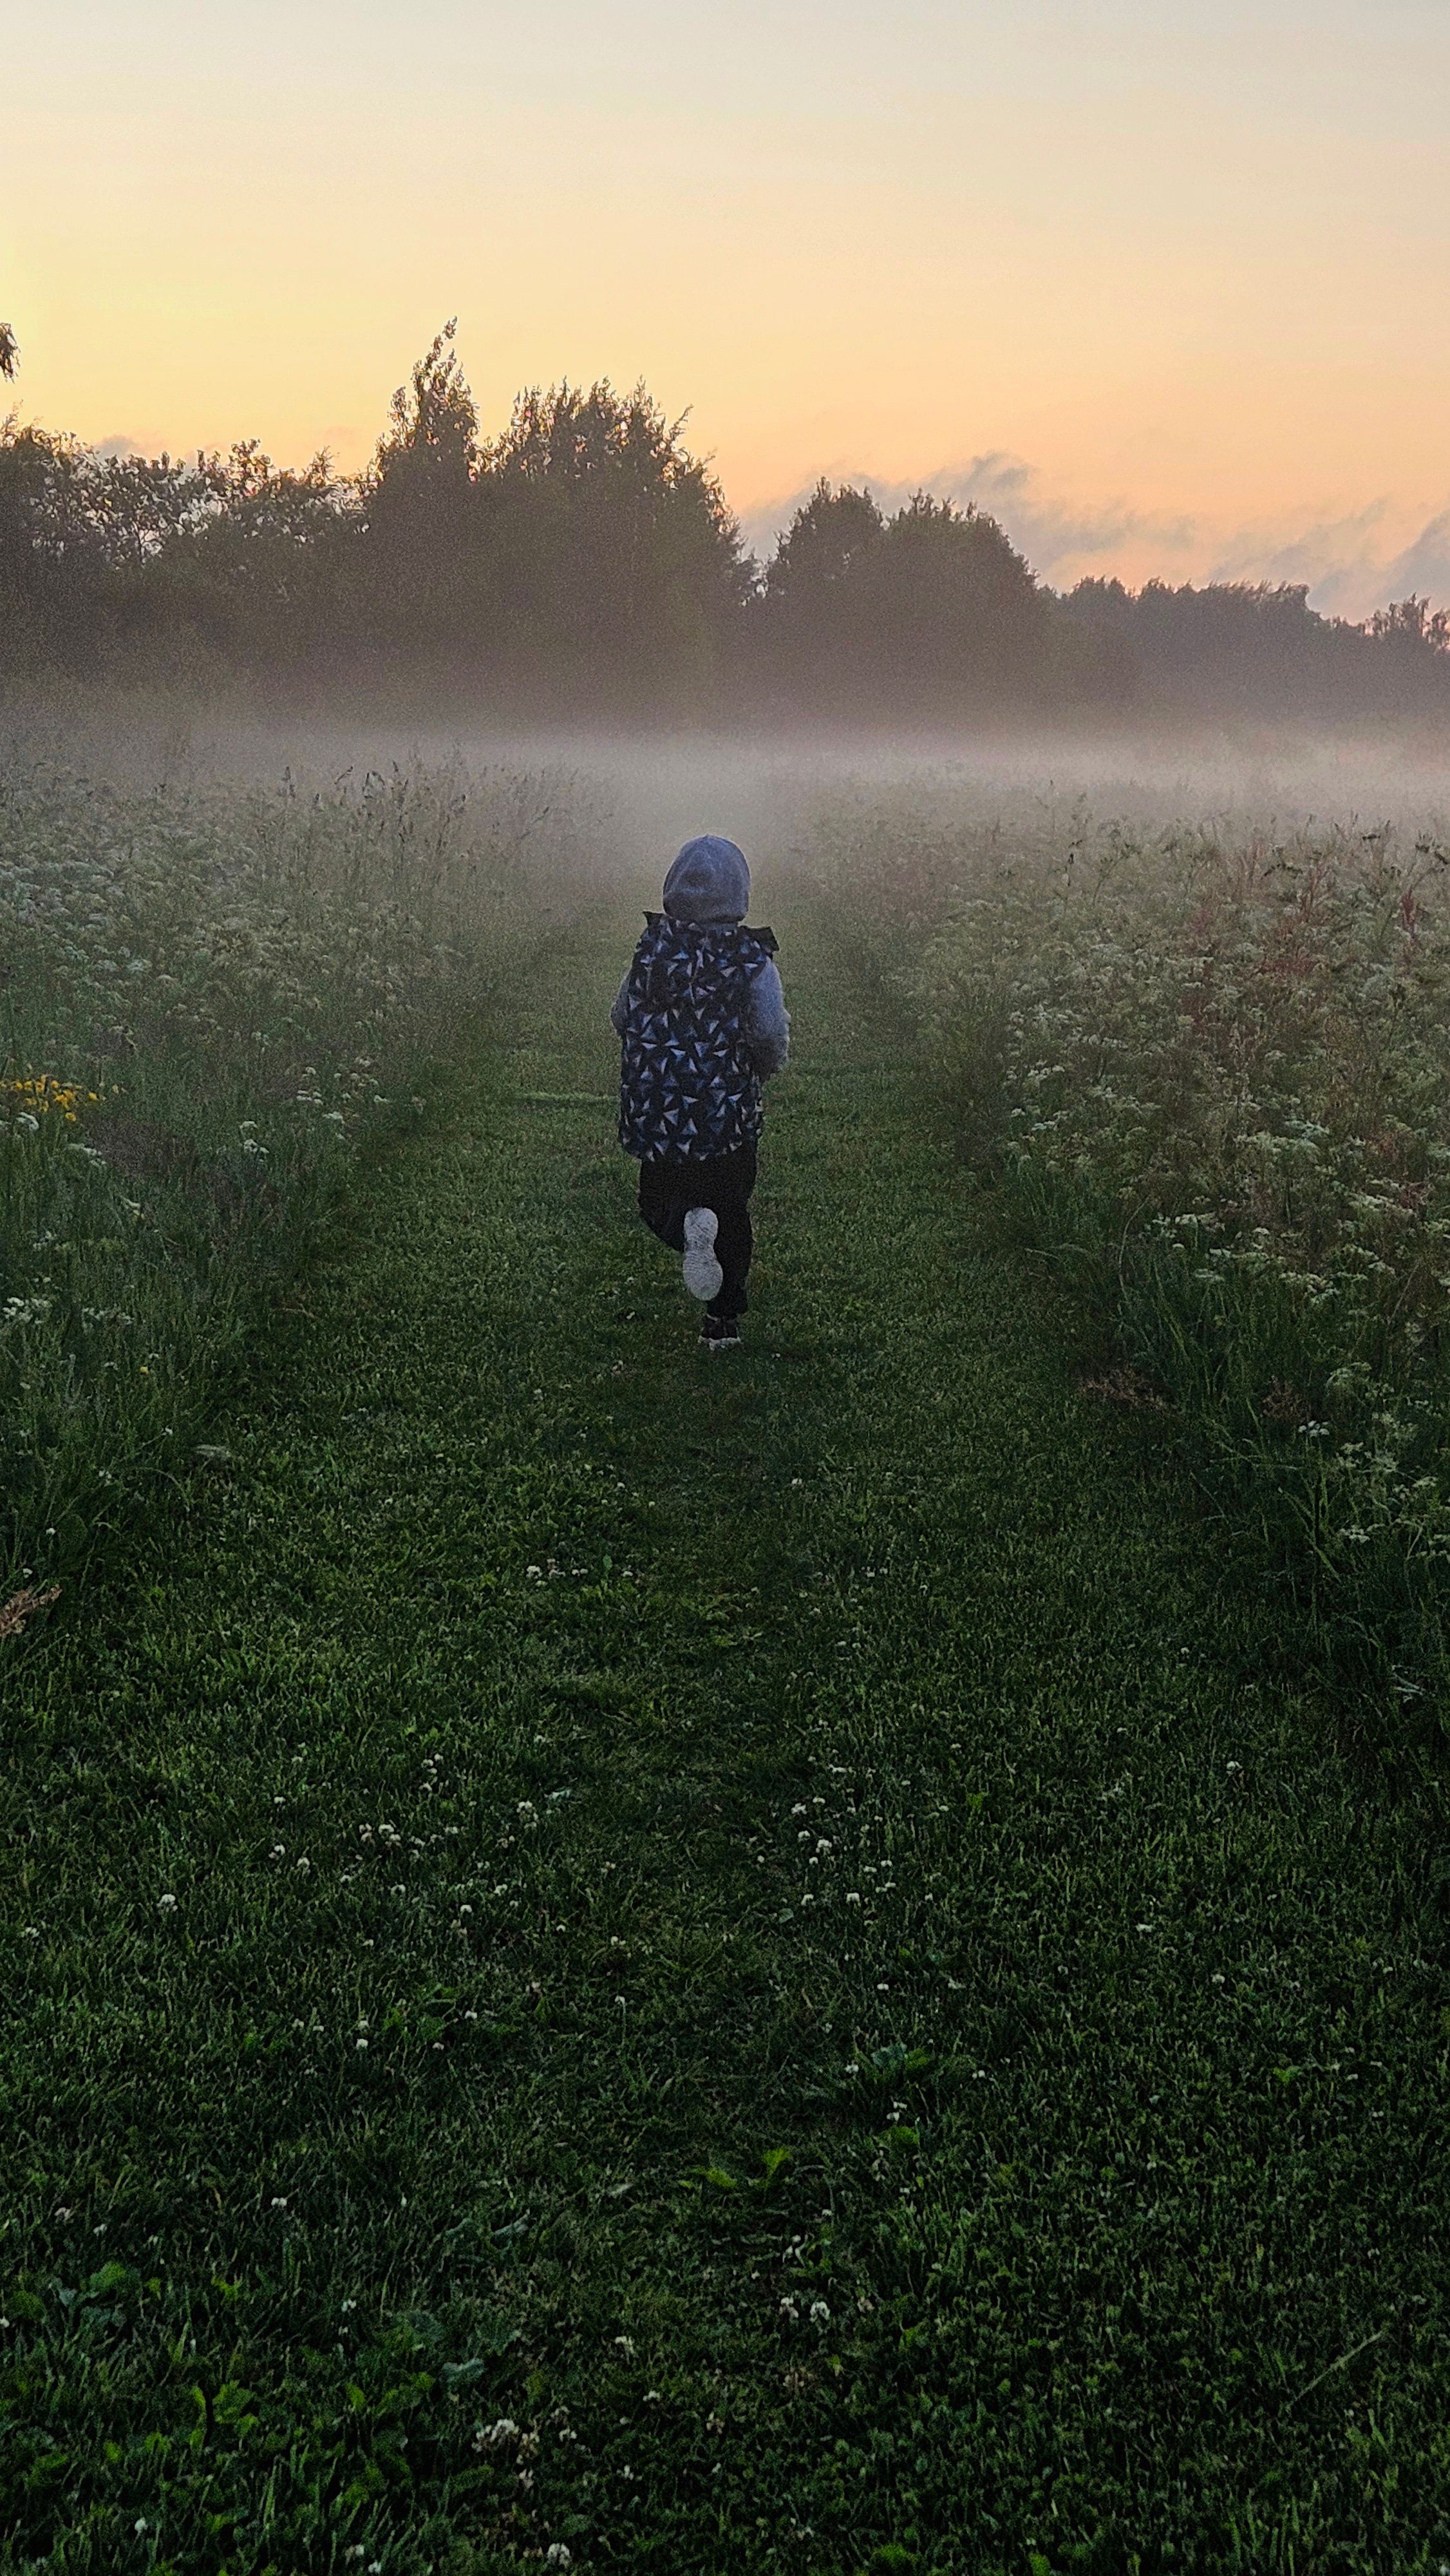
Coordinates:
x,y
116,445
1351,563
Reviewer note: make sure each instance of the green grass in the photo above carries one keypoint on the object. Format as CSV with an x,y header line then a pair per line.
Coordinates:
x,y
1075,2199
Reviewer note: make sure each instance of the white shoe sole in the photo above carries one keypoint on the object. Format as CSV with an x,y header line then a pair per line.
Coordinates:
x,y
703,1275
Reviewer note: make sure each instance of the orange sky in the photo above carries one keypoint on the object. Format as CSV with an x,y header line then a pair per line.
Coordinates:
x,y
1166,285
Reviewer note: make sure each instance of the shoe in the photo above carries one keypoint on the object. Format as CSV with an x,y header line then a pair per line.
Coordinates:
x,y
703,1275
720,1333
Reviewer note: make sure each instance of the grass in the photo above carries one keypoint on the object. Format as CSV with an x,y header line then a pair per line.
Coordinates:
x,y
212,1000
890,2042
1207,1067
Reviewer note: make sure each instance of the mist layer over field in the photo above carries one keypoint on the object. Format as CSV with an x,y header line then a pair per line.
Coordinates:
x,y
764,788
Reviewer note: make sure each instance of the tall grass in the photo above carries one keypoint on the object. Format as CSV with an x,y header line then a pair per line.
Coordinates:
x,y
1210,1067
212,1002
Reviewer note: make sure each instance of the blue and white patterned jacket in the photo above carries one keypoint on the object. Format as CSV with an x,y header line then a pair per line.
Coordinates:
x,y
701,1015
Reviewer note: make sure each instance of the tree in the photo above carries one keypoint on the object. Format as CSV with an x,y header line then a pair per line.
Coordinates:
x,y
620,563
419,584
9,352
826,540
925,616
1411,623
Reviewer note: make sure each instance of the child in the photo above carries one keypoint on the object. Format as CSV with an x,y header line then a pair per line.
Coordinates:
x,y
703,1022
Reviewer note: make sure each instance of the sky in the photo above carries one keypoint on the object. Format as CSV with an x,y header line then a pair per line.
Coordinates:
x,y
1164,283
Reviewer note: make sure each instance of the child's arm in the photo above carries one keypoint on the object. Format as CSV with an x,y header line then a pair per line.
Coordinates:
x,y
620,1011
767,1022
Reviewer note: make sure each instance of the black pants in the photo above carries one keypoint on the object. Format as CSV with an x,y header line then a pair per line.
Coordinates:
x,y
667,1191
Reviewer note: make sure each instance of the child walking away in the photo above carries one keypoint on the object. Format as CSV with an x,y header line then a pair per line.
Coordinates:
x,y
703,1024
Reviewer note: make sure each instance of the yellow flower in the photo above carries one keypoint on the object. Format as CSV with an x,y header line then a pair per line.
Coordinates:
x,y
45,1095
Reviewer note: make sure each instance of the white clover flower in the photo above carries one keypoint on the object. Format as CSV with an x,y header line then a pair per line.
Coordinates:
x,y
492,2437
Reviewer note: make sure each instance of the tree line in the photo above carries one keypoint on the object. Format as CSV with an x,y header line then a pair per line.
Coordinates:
x,y
583,561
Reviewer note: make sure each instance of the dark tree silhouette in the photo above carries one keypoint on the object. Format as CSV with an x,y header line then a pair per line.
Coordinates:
x,y
584,561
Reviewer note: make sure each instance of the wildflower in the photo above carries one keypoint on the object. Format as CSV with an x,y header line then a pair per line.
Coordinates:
x,y
167,1904
492,2437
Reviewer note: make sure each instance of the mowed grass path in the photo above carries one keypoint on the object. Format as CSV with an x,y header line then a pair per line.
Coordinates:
x,y
713,1966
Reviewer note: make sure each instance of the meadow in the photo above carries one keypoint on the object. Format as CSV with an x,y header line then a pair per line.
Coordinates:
x,y
1203,1064
755,1968
215,999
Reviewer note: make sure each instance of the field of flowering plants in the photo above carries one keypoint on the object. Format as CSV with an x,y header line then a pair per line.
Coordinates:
x,y
212,1000
619,1958
1209,1066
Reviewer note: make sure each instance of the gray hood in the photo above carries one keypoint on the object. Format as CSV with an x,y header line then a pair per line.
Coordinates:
x,y
710,881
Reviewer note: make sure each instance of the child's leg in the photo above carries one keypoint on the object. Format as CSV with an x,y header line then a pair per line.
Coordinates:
x,y
732,1180
667,1191
660,1203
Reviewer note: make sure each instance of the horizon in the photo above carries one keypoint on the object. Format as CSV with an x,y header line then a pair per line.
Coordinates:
x,y
1157,291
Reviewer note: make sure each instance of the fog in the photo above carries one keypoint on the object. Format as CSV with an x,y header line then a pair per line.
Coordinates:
x,y
652,792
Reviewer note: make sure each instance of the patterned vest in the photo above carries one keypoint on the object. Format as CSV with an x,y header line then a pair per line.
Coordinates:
x,y
687,1088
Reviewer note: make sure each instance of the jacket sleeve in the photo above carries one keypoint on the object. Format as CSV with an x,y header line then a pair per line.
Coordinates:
x,y
620,1011
767,1022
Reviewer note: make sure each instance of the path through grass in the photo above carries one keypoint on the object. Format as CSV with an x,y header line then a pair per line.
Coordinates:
x,y
703,1966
